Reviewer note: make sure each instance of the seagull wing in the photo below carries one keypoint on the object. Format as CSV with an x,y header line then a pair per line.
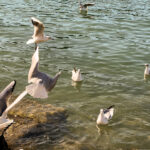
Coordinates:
x,y
88,4
33,71
108,113
37,90
53,81
5,94
4,123
38,27
16,101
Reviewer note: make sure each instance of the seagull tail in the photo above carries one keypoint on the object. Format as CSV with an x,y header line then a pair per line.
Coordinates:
x,y
31,41
37,91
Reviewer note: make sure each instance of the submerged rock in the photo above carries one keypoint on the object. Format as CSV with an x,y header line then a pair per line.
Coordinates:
x,y
35,123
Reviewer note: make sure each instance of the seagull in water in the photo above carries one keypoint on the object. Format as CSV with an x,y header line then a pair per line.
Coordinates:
x,y
4,96
84,7
105,115
38,35
76,75
41,83
147,70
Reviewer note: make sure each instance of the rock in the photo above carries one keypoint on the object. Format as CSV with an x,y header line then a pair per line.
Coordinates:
x,y
35,123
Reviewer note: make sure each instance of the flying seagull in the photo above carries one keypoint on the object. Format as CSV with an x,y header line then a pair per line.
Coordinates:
x,y
84,7
41,83
38,35
105,115
4,122
4,108
76,75
4,96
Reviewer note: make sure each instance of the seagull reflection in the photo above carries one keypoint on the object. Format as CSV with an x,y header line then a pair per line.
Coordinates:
x,y
76,85
98,129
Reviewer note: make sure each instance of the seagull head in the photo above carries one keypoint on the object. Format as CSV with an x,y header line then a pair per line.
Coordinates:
x,y
146,65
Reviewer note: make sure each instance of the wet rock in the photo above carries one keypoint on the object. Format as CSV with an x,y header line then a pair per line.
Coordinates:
x,y
35,123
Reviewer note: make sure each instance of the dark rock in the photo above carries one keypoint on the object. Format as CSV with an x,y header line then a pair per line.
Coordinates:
x,y
35,123
3,143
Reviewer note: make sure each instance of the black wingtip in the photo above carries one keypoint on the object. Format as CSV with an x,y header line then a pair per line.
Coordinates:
x,y
34,22
112,106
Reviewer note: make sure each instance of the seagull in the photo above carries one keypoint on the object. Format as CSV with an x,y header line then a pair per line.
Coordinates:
x,y
38,35
105,115
4,108
147,70
4,96
84,7
76,75
4,122
41,83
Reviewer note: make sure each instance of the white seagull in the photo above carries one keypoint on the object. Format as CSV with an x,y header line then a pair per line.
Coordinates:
x,y
41,83
105,115
76,75
147,70
84,7
38,35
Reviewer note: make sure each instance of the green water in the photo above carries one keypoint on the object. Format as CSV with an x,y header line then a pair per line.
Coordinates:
x,y
110,45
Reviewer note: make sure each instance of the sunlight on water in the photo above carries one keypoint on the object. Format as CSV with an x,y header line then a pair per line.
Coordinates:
x,y
110,45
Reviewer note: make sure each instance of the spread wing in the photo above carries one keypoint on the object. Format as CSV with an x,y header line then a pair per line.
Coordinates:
x,y
5,94
37,90
5,122
53,81
38,27
88,4
34,65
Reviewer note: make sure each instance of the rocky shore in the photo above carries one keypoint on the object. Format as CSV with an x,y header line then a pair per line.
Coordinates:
x,y
35,124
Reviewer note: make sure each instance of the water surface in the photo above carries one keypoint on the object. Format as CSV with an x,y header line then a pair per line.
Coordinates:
x,y
110,45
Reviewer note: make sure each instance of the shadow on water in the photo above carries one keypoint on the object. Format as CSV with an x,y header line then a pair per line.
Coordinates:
x,y
87,16
52,130
41,134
